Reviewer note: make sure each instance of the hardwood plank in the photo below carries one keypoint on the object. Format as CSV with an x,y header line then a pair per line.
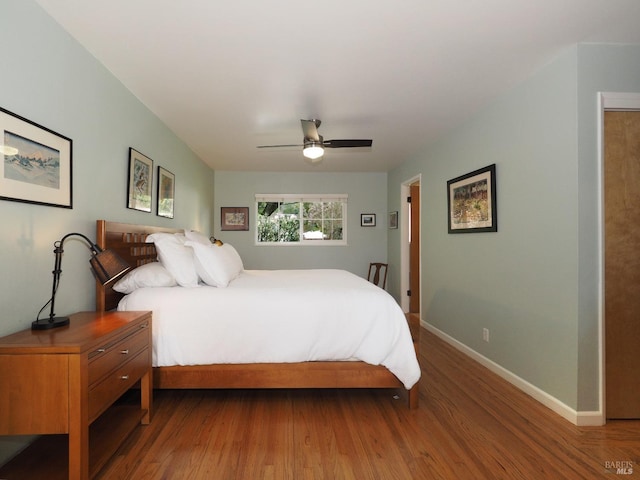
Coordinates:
x,y
470,424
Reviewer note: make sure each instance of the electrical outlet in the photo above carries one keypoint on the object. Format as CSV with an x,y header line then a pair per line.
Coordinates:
x,y
485,334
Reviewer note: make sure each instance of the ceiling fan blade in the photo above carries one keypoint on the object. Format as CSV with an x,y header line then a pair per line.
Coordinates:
x,y
347,143
312,140
310,129
278,146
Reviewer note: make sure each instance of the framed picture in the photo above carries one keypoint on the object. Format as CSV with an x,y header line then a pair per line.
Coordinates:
x,y
166,192
393,220
140,181
234,218
36,166
471,201
367,219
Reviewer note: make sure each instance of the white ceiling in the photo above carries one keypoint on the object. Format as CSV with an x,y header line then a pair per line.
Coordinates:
x,y
227,76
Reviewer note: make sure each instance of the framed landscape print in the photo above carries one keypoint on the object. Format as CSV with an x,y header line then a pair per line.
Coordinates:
x,y
140,178
36,163
471,201
234,218
166,192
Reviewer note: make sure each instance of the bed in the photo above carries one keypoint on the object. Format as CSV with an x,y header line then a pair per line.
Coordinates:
x,y
131,242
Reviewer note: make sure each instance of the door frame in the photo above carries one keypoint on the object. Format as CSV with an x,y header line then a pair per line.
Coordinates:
x,y
606,101
405,191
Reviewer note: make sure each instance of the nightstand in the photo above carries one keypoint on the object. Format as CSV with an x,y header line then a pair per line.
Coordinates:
x,y
65,381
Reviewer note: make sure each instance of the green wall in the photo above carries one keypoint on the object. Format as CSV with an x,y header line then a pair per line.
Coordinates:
x,y
534,283
367,194
50,79
601,68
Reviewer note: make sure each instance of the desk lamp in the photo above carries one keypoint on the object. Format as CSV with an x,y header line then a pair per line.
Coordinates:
x,y
106,265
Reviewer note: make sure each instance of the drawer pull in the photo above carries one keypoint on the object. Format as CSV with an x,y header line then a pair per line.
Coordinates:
x,y
144,325
101,350
124,352
124,377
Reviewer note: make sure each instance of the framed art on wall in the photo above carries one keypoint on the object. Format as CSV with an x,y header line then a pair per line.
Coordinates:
x,y
367,219
166,192
471,201
393,220
140,181
36,163
234,218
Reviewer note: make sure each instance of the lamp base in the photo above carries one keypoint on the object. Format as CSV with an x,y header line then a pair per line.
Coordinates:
x,y
47,323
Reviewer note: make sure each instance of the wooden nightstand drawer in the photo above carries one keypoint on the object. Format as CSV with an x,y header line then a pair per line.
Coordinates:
x,y
105,392
109,357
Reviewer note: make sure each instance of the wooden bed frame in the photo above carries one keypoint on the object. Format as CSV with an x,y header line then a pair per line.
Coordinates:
x,y
129,242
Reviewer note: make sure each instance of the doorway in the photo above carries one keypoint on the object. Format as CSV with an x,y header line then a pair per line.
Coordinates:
x,y
411,265
621,265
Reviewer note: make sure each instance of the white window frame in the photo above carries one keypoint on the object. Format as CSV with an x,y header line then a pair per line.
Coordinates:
x,y
304,197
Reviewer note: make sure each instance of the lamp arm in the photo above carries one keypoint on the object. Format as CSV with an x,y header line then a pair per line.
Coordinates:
x,y
92,246
57,268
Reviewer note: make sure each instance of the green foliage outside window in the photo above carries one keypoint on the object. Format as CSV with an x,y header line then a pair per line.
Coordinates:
x,y
287,222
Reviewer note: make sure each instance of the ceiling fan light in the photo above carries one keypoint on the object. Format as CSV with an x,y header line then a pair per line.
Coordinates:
x,y
313,150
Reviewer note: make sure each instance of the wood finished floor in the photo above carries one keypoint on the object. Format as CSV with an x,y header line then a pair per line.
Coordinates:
x,y
470,425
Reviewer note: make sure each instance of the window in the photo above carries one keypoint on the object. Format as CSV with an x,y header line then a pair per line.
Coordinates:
x,y
301,219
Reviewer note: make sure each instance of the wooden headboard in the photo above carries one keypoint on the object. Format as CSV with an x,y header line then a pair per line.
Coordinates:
x,y
128,241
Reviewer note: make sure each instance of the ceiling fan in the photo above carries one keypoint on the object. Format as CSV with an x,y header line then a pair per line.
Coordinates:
x,y
314,145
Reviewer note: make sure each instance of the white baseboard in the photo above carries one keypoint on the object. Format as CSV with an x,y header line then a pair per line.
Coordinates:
x,y
581,419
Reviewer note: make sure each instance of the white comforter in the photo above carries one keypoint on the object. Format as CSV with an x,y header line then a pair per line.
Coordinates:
x,y
268,316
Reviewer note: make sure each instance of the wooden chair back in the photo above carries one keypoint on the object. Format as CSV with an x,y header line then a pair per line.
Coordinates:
x,y
378,274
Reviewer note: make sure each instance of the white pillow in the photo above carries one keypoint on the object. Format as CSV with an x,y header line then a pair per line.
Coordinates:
x,y
148,275
236,260
215,265
193,236
175,257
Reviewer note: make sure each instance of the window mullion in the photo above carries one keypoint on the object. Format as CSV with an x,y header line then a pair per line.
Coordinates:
x,y
300,222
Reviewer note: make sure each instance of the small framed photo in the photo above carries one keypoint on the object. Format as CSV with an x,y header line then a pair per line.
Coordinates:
x,y
234,218
36,163
393,220
471,201
140,181
166,192
367,219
